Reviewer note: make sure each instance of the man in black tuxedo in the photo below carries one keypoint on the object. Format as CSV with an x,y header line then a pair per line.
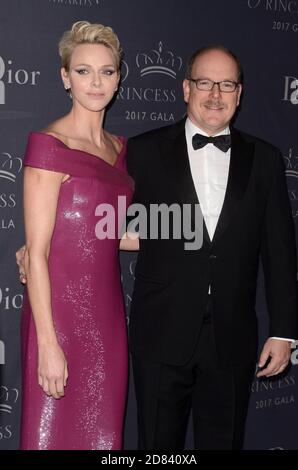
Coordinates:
x,y
193,326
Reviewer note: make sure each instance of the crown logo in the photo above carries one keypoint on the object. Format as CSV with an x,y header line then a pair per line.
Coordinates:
x,y
8,397
291,164
10,166
124,71
159,61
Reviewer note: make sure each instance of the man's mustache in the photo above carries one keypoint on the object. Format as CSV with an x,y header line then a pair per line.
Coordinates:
x,y
216,104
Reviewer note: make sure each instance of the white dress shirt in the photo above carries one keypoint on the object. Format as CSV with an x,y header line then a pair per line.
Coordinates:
x,y
209,169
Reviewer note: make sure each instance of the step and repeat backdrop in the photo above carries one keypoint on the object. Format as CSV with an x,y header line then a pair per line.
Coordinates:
x,y
157,38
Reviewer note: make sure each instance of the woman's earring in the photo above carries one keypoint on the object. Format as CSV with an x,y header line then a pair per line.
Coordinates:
x,y
68,91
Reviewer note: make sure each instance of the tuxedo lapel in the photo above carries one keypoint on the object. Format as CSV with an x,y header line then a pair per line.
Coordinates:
x,y
174,152
239,172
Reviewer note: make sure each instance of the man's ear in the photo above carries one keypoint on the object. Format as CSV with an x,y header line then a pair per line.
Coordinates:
x,y
239,91
186,90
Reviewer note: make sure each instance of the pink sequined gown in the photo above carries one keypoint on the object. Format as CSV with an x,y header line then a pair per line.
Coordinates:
x,y
87,305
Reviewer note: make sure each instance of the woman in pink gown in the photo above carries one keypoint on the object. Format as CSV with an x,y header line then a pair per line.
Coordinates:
x,y
74,344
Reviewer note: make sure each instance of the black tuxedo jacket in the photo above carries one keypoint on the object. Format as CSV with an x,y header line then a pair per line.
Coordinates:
x,y
171,285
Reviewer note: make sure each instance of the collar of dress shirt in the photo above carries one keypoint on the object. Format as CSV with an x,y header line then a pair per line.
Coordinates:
x,y
191,129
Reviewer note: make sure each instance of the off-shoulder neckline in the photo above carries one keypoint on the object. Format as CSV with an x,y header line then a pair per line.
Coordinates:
x,y
92,155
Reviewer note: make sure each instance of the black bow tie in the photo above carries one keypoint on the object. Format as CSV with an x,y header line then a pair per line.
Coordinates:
x,y
223,142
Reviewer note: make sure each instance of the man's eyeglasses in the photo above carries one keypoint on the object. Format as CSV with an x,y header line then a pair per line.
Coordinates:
x,y
204,84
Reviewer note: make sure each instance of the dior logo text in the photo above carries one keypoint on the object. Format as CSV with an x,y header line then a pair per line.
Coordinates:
x,y
10,75
8,300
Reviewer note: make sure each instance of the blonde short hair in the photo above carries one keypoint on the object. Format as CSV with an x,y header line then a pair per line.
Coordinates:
x,y
83,32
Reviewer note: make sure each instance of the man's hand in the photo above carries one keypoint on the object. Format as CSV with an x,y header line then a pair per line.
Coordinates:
x,y
20,259
279,352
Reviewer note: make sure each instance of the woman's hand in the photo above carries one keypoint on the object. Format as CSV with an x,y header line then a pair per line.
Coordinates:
x,y
20,259
130,242
52,370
